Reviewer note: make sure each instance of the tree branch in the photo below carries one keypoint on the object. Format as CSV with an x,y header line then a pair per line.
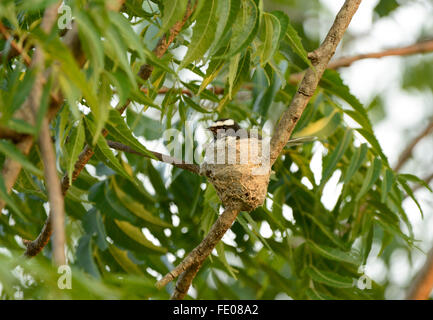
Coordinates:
x,y
55,196
184,281
420,47
202,251
407,152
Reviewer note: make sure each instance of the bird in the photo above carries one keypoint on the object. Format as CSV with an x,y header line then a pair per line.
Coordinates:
x,y
226,127
223,128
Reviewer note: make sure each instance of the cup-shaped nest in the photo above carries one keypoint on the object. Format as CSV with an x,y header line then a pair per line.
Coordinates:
x,y
239,169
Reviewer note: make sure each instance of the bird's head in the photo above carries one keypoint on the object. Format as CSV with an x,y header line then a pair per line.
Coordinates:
x,y
220,127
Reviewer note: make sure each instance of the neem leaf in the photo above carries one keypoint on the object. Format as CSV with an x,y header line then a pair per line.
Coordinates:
x,y
372,175
244,28
135,234
11,151
272,37
173,12
203,33
77,142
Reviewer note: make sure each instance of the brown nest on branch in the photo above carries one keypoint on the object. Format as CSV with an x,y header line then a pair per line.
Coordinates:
x,y
239,169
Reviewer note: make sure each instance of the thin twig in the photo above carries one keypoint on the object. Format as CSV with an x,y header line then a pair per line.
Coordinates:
x,y
407,152
16,47
420,47
194,168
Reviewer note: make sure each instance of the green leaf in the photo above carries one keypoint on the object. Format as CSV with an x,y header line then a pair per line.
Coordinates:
x,y
242,75
103,151
321,128
93,224
332,82
20,92
195,105
295,43
385,7
272,37
255,228
11,151
213,69
407,188
57,50
144,126
413,178
4,195
137,208
284,23
174,11
329,278
331,162
77,142
244,28
233,68
119,130
129,35
333,253
90,39
356,162
371,176
121,257
222,257
135,234
227,11
117,51
203,33
85,256
388,181
313,294
120,81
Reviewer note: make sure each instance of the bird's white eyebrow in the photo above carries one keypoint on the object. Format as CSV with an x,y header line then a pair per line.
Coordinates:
x,y
228,122
217,124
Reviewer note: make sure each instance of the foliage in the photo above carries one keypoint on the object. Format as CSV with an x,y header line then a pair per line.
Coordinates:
x,y
130,219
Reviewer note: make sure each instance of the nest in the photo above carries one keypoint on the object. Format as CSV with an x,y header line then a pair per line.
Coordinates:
x,y
239,169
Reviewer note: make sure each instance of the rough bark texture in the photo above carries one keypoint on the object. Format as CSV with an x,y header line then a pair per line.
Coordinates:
x,y
202,251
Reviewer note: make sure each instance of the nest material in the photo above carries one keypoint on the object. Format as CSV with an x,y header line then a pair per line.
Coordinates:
x,y
239,169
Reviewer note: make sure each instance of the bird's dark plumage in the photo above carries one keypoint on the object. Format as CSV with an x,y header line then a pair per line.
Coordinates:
x,y
228,127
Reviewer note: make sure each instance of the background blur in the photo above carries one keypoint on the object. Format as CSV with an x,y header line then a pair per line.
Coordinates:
x,y
399,92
